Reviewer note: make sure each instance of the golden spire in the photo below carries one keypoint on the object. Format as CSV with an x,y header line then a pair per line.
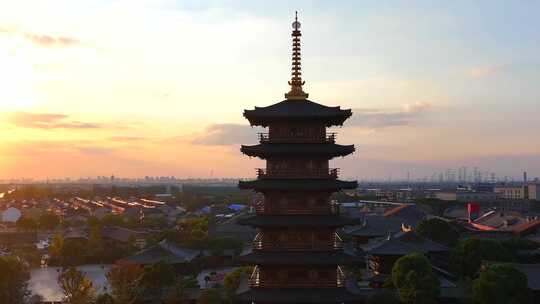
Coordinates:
x,y
296,92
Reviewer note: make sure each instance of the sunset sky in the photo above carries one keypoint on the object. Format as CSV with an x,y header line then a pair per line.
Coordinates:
x,y
137,88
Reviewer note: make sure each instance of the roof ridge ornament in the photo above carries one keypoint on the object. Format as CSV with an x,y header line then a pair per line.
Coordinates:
x,y
296,92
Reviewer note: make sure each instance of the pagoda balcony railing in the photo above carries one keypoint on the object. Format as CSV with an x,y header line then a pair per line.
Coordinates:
x,y
257,280
336,243
298,173
327,138
269,209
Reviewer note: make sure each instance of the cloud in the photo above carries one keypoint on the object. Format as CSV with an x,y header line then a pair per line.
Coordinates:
x,y
126,138
42,40
94,150
486,71
227,134
383,118
51,41
48,121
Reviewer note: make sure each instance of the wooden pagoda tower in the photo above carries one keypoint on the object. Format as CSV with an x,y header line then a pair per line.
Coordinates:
x,y
297,255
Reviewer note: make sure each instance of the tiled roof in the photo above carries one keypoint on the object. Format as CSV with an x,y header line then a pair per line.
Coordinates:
x,y
164,251
297,109
278,149
404,243
299,295
337,257
297,221
375,226
297,184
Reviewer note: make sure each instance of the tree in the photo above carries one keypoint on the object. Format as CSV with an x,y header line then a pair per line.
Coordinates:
x,y
384,297
218,245
48,221
231,281
124,279
14,276
414,279
501,284
438,230
468,254
71,253
93,221
157,276
26,224
105,299
180,286
210,296
56,246
76,286
95,243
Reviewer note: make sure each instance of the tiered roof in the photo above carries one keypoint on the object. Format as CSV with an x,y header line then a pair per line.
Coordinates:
x,y
300,221
298,184
297,110
334,257
266,150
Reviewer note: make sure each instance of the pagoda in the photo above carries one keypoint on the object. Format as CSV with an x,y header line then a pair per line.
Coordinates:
x,y
298,255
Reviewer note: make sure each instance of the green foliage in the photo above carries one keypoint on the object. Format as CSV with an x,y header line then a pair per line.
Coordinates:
x,y
468,255
112,220
501,284
76,286
385,297
95,244
210,296
180,286
104,298
438,231
218,245
124,279
26,224
14,276
233,278
48,221
93,221
157,276
56,245
413,278
71,253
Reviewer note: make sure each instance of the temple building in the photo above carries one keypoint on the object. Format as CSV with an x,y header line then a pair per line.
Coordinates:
x,y
298,255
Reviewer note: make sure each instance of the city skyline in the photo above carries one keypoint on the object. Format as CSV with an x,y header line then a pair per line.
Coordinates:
x,y
156,87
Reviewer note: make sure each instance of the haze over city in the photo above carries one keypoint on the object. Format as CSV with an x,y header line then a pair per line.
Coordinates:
x,y
137,88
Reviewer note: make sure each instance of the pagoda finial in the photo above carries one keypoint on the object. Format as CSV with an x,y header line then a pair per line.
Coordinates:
x,y
296,92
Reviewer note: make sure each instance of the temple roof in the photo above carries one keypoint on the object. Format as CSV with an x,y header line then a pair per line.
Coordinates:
x,y
297,110
166,252
375,226
297,184
404,243
297,221
299,295
333,257
266,150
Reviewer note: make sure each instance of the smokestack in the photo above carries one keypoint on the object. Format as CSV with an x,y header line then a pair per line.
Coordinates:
x,y
525,177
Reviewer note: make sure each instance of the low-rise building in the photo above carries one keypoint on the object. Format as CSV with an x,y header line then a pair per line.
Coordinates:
x,y
466,196
510,192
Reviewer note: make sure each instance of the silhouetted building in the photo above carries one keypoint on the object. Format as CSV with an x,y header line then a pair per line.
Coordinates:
x,y
298,254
